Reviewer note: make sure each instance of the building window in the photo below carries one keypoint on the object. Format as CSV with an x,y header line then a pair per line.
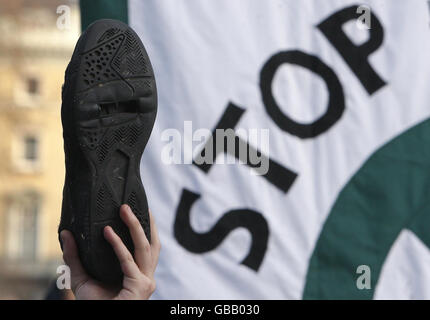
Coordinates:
x,y
31,148
26,152
32,86
28,91
22,222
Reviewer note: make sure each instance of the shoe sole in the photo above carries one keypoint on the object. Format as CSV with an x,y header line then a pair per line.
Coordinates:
x,y
115,106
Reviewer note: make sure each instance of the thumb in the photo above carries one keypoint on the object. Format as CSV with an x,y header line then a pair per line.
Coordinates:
x,y
71,258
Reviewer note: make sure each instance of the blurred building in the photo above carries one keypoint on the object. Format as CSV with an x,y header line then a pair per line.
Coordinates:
x,y
37,41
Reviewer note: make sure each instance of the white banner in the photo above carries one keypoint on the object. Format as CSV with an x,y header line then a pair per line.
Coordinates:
x,y
329,92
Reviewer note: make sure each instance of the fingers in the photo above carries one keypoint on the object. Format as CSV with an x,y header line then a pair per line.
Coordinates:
x,y
155,241
142,248
128,266
71,258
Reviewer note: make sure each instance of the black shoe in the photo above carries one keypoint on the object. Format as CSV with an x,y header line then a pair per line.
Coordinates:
x,y
108,111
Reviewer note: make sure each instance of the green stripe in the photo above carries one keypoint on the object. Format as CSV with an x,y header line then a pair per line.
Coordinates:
x,y
92,10
391,192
